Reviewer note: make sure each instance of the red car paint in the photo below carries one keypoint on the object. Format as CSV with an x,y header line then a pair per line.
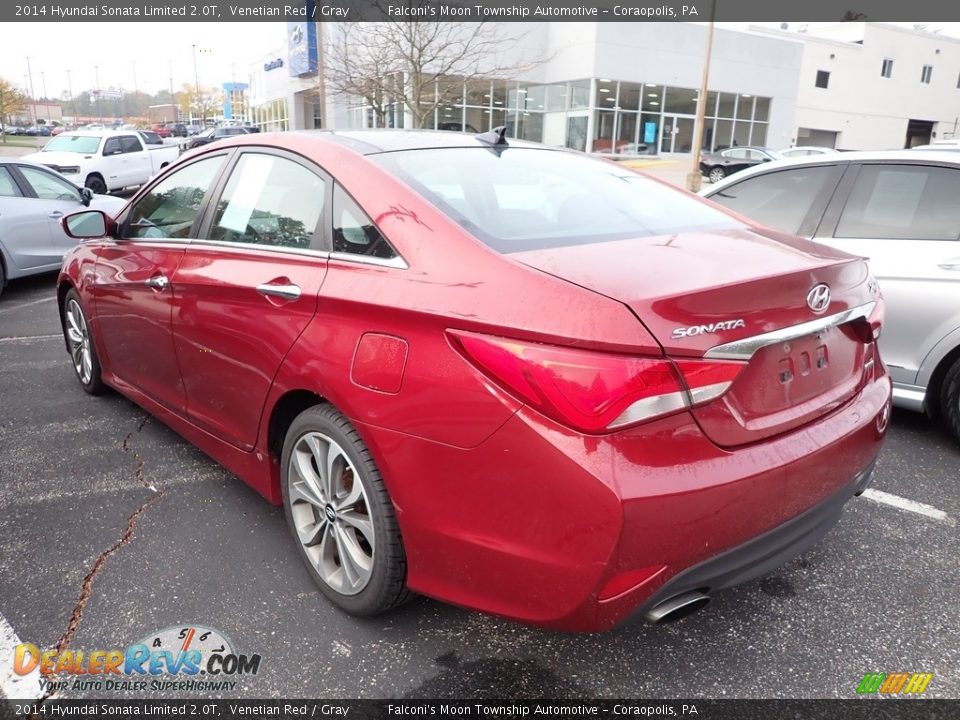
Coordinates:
x,y
503,504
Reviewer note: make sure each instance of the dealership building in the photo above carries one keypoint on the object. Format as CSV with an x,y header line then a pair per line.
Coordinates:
x,y
633,88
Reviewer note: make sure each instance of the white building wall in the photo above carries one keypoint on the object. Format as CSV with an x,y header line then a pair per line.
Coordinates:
x,y
869,111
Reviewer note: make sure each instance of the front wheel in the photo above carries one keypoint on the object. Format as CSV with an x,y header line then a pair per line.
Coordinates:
x,y
717,174
83,353
340,514
950,400
96,185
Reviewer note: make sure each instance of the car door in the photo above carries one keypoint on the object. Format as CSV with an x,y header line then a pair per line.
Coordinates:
x,y
904,217
133,290
137,159
248,289
53,197
24,225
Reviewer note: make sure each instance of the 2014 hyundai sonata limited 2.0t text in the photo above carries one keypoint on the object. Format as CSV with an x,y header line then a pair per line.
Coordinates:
x,y
507,376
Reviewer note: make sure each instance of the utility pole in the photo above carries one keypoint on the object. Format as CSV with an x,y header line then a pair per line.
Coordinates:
x,y
73,102
33,97
693,177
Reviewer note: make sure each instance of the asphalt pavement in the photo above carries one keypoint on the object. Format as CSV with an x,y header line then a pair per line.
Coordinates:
x,y
878,594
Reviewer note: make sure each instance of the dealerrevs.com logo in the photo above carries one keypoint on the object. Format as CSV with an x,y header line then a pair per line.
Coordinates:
x,y
179,658
899,683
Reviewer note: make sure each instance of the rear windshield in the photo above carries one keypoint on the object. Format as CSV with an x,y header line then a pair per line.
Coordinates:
x,y
521,199
85,144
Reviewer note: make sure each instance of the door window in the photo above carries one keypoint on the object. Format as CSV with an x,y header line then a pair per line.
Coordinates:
x,y
8,188
170,208
112,146
737,153
780,200
354,231
48,186
271,201
903,202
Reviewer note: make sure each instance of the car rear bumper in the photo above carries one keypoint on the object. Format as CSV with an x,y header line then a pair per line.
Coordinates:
x,y
578,533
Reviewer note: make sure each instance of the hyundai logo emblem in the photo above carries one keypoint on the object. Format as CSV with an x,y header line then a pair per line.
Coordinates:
x,y
818,299
330,513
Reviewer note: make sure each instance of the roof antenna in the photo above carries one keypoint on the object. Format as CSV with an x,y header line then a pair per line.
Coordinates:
x,y
494,137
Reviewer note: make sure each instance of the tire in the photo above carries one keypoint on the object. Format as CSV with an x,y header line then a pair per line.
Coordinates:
x,y
373,580
716,174
83,351
3,278
950,400
96,185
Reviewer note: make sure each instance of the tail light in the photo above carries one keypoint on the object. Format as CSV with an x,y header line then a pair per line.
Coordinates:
x,y
594,391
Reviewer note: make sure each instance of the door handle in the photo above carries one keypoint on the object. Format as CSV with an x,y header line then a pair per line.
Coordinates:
x,y
56,214
287,292
951,264
159,282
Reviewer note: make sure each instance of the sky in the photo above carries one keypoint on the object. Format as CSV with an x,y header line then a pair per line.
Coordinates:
x,y
154,51
224,51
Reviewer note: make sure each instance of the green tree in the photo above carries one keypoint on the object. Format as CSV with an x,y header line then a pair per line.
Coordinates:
x,y
12,101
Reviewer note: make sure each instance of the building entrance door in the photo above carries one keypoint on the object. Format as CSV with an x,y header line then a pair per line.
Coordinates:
x,y
676,135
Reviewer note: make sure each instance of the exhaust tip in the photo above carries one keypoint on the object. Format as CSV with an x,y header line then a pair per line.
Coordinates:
x,y
677,607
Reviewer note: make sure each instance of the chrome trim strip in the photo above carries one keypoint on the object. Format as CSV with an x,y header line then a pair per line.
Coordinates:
x,y
307,252
651,406
745,348
395,262
709,392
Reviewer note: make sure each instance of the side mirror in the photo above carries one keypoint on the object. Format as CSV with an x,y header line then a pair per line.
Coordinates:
x,y
88,224
86,195
766,160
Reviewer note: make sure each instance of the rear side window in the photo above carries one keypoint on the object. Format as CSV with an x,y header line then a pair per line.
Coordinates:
x,y
130,144
354,231
269,201
903,202
522,199
780,200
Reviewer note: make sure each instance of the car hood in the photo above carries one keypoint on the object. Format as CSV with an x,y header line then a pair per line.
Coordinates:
x,y
56,157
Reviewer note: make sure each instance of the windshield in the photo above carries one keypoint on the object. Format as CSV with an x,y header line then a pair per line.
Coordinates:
x,y
86,144
527,199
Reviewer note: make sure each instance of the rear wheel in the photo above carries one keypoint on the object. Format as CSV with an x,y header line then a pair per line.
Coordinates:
x,y
950,400
96,184
717,174
340,514
3,278
83,352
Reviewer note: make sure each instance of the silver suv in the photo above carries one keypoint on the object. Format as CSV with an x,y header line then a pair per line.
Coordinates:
x,y
900,209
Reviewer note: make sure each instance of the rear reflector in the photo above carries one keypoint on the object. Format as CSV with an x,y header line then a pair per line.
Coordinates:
x,y
594,391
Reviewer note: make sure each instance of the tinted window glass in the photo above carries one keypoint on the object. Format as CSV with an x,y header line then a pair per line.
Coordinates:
x,y
112,146
49,187
738,153
269,201
780,200
130,144
170,208
353,230
525,199
8,188
903,202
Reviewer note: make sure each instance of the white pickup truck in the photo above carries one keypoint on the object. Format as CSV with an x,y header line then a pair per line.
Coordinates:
x,y
105,161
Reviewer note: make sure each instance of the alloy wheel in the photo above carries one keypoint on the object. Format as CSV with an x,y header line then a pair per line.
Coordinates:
x,y
79,338
331,513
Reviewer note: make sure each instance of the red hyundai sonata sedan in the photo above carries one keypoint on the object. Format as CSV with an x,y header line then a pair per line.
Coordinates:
x,y
511,377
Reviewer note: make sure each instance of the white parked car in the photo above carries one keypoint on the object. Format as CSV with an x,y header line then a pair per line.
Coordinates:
x,y
104,161
805,151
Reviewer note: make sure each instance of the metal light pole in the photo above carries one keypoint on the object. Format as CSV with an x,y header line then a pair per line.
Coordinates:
x,y
196,81
96,75
33,97
73,102
693,177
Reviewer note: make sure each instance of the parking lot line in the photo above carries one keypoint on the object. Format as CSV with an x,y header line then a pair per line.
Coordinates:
x,y
13,686
909,505
14,308
27,338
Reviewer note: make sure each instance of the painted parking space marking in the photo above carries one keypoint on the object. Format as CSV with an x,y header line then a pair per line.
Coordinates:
x,y
13,686
14,308
28,338
913,506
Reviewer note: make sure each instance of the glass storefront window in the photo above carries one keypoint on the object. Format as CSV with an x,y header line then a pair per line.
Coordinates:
x,y
530,126
556,97
450,117
579,94
745,107
476,120
759,136
709,127
478,93
499,94
652,97
626,132
726,105
741,134
681,101
534,98
603,131
630,95
762,111
606,93
723,135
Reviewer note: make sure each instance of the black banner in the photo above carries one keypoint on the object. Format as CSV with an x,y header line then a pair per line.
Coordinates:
x,y
478,10
862,709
